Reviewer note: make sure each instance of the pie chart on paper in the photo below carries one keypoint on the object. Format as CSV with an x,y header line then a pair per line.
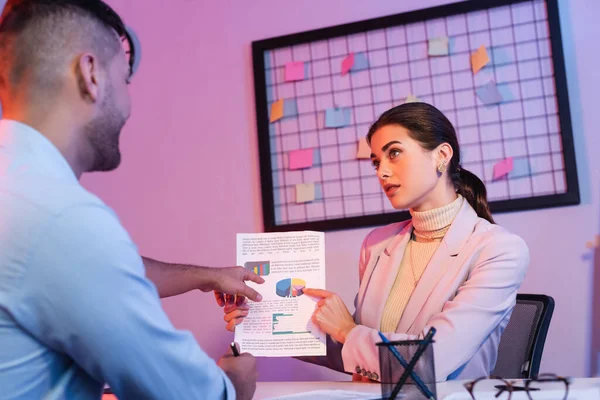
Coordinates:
x,y
290,287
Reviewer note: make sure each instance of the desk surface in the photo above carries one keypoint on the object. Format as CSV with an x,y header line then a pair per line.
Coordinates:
x,y
266,390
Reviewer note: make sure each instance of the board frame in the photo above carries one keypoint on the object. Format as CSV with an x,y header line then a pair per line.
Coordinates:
x,y
570,197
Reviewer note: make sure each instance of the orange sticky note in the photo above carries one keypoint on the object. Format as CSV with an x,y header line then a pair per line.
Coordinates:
x,y
364,151
593,244
294,71
502,168
301,159
277,110
347,63
479,59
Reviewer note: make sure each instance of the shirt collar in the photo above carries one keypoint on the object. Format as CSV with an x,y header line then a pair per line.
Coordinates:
x,y
28,144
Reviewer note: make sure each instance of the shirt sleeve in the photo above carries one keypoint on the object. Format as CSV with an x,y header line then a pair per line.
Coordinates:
x,y
86,295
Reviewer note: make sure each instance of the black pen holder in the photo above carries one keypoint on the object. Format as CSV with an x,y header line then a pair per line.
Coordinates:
x,y
420,384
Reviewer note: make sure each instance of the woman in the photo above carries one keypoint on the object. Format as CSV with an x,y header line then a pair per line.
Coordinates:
x,y
449,267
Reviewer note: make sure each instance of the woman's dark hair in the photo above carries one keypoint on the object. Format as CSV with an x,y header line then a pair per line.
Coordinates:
x,y
430,127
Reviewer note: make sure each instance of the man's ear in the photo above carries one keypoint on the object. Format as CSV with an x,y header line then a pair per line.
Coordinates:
x,y
87,70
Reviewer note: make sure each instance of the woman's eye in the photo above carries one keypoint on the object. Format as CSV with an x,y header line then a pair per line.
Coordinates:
x,y
376,165
394,153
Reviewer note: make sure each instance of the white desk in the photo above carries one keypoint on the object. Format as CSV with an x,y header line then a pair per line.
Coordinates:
x,y
269,389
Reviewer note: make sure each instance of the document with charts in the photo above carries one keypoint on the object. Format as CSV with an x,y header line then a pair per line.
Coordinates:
x,y
280,325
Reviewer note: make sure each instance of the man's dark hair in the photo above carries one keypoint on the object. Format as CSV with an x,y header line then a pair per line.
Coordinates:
x,y
38,36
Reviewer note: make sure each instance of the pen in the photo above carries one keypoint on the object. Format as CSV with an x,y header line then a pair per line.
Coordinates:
x,y
413,361
402,362
234,349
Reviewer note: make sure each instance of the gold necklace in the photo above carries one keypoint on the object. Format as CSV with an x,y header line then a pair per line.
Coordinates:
x,y
412,264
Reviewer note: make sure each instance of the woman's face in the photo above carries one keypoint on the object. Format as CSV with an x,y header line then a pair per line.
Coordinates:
x,y
407,172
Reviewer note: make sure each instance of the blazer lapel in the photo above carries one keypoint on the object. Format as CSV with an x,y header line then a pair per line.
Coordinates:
x,y
382,278
443,261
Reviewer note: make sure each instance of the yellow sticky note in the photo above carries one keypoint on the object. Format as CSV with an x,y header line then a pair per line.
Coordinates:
x,y
411,98
479,59
305,192
364,151
438,46
277,110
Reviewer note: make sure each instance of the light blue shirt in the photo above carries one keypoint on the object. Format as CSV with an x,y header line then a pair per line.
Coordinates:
x,y
76,310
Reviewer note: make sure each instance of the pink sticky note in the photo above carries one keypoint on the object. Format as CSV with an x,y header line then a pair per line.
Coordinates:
x,y
294,71
301,159
503,167
347,63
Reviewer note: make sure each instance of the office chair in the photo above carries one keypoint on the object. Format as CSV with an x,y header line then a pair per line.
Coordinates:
x,y
522,342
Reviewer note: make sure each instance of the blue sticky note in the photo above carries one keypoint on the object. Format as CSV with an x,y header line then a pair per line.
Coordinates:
x,y
337,117
316,157
361,62
520,169
499,55
489,93
279,214
505,92
267,57
270,93
290,108
318,191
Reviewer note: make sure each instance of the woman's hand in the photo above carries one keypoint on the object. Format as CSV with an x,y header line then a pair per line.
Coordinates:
x,y
235,312
332,315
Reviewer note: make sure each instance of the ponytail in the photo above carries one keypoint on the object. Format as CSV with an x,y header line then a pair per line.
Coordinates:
x,y
473,190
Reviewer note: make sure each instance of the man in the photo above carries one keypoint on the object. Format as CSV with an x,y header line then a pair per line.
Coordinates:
x,y
78,306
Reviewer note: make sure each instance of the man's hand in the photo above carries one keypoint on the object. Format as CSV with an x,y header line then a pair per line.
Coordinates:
x,y
230,287
174,279
241,371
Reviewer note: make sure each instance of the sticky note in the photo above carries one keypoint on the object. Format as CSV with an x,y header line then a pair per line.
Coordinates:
x,y
505,92
277,110
294,71
337,117
479,59
361,62
593,244
347,63
489,93
290,108
364,151
305,192
301,159
411,98
502,168
438,46
520,168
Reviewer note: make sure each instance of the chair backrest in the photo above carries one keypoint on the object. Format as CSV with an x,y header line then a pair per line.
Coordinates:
x,y
522,342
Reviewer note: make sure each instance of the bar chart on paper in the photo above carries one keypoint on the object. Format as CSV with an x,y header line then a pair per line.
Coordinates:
x,y
261,268
290,287
286,324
